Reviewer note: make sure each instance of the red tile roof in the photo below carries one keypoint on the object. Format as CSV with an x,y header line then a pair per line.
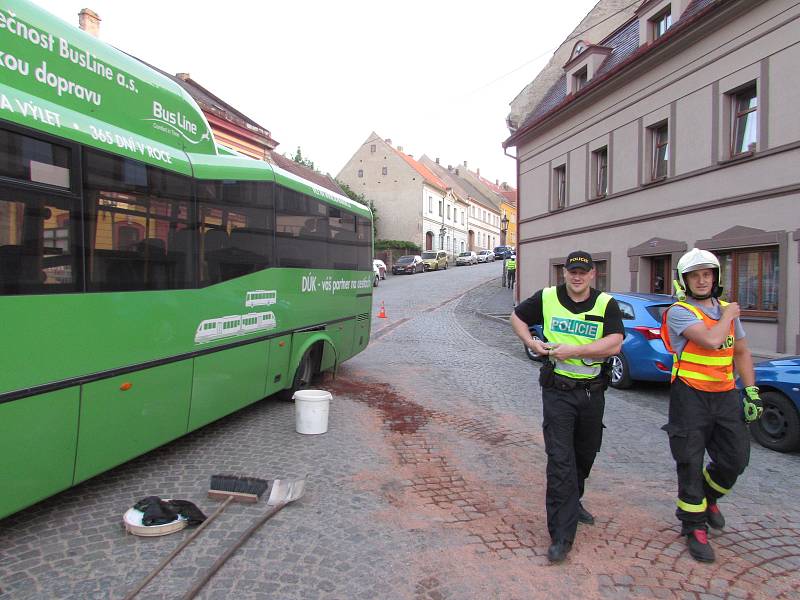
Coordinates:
x,y
426,173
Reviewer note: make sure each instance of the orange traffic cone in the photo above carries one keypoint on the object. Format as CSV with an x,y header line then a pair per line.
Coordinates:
x,y
382,312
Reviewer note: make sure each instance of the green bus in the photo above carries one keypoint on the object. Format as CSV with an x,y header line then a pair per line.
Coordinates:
x,y
151,281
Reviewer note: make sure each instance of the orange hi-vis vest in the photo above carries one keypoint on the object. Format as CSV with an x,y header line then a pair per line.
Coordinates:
x,y
705,369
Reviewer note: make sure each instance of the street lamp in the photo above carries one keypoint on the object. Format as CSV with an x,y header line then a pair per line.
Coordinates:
x,y
442,233
503,229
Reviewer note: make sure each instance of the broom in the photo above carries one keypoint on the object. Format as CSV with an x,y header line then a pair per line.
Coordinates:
x,y
228,488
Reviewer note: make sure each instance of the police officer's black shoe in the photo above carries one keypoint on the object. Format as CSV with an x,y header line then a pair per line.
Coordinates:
x,y
584,516
699,547
714,517
558,551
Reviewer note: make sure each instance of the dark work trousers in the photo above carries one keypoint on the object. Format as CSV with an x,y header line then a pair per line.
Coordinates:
x,y
700,421
512,276
573,432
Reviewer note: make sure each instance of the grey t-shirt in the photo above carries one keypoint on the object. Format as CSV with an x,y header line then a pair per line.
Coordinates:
x,y
680,318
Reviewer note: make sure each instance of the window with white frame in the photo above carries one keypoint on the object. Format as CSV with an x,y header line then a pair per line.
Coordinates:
x,y
430,204
744,120
600,172
559,187
660,23
659,151
440,208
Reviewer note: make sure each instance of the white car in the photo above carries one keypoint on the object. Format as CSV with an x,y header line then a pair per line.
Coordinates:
x,y
380,265
485,256
376,275
467,258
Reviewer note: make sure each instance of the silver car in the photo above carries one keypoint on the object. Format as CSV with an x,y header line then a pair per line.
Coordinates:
x,y
467,258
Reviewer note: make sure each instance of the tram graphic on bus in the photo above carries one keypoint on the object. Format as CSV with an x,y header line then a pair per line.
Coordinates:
x,y
261,298
232,325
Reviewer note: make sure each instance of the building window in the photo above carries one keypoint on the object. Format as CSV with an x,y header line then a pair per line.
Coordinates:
x,y
601,275
448,212
361,172
430,204
661,23
559,187
580,79
659,151
744,127
440,208
372,148
600,172
751,278
384,170
462,217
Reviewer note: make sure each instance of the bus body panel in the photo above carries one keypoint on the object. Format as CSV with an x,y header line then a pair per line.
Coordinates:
x,y
38,437
118,424
280,354
224,382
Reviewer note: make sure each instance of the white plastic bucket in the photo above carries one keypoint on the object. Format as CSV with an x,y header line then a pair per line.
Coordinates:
x,y
311,411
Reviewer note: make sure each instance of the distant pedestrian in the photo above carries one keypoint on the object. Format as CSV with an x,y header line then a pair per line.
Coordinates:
x,y
511,270
705,410
583,327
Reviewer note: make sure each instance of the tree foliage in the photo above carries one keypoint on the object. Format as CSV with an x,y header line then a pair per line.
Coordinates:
x,y
298,158
397,245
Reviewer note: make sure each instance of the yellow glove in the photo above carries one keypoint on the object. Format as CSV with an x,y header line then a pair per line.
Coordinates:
x,y
753,409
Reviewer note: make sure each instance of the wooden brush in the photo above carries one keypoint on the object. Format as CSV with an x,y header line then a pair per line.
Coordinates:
x,y
230,488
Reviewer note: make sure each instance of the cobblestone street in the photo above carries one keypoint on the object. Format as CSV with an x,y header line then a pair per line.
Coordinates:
x,y
428,485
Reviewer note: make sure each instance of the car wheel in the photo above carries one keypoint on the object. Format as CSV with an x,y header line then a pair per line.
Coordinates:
x,y
779,427
532,353
306,374
445,266
620,372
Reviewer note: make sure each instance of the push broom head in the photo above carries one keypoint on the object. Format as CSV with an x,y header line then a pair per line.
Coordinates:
x,y
242,489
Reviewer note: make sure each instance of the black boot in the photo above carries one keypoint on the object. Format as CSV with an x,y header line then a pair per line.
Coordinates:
x,y
558,551
699,547
584,516
714,517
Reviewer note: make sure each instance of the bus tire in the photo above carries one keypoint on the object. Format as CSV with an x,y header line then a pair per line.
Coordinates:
x,y
307,373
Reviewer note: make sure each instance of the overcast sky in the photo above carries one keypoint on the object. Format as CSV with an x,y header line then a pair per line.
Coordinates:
x,y
436,76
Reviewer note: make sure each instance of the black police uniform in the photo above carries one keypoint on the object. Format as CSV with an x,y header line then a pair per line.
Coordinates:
x,y
572,419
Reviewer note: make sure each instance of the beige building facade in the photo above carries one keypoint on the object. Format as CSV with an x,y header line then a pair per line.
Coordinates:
x,y
679,129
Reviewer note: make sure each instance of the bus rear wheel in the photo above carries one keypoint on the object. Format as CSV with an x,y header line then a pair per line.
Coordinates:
x,y
306,374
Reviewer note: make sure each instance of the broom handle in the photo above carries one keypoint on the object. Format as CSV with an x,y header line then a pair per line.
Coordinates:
x,y
229,552
132,594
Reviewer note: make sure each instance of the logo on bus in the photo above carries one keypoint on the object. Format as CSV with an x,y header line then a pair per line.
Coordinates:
x,y
585,329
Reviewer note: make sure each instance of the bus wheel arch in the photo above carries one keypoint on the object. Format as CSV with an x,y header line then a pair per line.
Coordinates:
x,y
306,371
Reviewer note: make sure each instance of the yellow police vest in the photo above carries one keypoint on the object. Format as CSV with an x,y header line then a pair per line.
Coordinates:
x,y
562,326
511,265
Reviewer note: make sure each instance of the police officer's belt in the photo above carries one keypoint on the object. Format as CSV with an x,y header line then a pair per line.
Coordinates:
x,y
566,384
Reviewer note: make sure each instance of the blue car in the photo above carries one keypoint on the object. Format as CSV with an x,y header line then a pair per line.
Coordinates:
x,y
779,382
643,356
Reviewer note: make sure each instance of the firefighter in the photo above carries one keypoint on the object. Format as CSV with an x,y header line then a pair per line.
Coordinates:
x,y
706,413
583,327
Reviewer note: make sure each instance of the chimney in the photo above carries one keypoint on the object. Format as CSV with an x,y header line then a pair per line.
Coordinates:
x,y
388,141
465,164
399,148
183,76
449,167
505,185
437,160
497,182
456,171
89,21
478,171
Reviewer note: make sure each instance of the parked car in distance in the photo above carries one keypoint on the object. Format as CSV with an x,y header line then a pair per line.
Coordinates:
x,y
779,384
411,263
501,252
381,266
434,260
643,356
467,258
376,275
485,256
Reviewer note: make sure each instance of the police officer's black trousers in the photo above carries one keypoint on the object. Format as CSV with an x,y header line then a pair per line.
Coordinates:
x,y
700,421
573,432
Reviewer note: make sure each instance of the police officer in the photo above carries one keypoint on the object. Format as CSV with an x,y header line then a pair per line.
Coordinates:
x,y
511,269
583,327
705,411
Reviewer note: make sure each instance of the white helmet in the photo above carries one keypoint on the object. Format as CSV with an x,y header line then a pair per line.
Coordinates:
x,y
694,260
